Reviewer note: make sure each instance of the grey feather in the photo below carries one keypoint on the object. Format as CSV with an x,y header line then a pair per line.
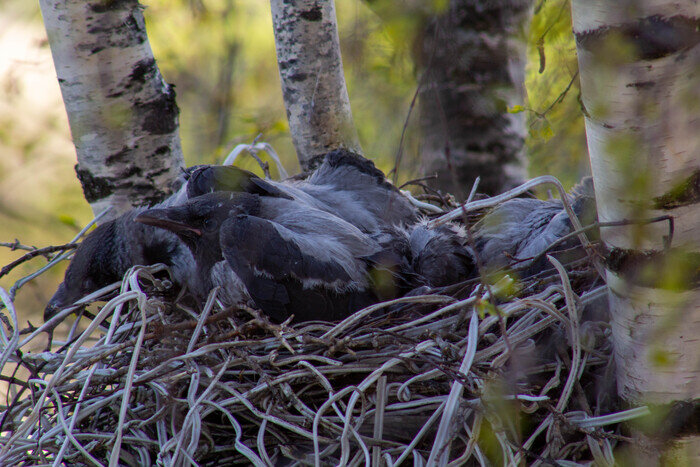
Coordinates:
x,y
441,256
519,230
117,245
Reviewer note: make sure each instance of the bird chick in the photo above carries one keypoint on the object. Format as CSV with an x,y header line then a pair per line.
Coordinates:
x,y
359,192
440,256
517,232
291,258
110,250
113,247
345,184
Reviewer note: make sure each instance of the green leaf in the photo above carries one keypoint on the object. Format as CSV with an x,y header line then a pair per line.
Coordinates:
x,y
484,308
516,109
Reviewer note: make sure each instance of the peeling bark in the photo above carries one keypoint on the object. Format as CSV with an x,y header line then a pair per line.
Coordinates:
x,y
475,57
313,84
123,116
640,70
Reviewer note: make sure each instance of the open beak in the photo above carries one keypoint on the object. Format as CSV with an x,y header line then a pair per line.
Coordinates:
x,y
169,219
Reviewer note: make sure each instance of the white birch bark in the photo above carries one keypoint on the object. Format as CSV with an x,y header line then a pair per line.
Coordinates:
x,y
640,81
122,114
313,83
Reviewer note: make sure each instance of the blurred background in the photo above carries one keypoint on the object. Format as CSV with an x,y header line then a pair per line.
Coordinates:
x,y
220,56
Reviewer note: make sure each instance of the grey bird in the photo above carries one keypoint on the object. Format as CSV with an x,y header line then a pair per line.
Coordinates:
x,y
351,187
345,184
291,258
517,233
440,256
119,244
110,250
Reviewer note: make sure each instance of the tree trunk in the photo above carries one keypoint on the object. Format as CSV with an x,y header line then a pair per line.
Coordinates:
x,y
639,66
313,84
122,114
474,56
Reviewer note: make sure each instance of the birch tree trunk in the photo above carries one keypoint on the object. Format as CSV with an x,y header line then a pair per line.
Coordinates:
x,y
313,83
475,56
122,114
640,82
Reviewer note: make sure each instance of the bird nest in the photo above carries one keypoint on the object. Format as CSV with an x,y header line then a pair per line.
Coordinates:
x,y
488,371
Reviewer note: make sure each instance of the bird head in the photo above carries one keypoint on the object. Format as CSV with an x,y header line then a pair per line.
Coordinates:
x,y
95,264
210,178
197,222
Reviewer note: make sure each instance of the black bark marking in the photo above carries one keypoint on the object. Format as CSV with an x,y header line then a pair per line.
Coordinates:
x,y
287,63
641,85
111,5
144,194
313,14
139,193
296,77
142,72
160,115
154,173
131,171
685,193
652,37
123,33
119,156
94,188
161,150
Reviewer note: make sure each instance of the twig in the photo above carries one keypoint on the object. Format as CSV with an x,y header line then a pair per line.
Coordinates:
x,y
34,253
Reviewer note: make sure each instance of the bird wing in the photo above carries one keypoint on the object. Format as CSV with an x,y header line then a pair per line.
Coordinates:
x,y
264,248
508,228
289,272
359,192
327,235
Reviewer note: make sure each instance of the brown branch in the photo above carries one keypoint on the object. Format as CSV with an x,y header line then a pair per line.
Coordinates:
x,y
34,253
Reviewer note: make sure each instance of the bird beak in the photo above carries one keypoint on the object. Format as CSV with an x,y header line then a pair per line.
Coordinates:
x,y
169,219
57,302
62,299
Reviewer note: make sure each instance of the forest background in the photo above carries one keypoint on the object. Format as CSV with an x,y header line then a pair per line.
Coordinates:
x,y
220,55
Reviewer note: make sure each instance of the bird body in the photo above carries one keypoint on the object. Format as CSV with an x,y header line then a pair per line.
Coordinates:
x,y
291,258
113,247
345,184
517,232
110,250
440,256
322,247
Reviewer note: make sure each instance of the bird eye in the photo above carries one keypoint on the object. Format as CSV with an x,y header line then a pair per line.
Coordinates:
x,y
209,225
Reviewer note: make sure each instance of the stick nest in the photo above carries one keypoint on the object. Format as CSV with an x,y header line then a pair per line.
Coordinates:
x,y
514,372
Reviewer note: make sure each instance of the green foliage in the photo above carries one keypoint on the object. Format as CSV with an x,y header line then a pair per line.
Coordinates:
x,y
556,142
220,54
